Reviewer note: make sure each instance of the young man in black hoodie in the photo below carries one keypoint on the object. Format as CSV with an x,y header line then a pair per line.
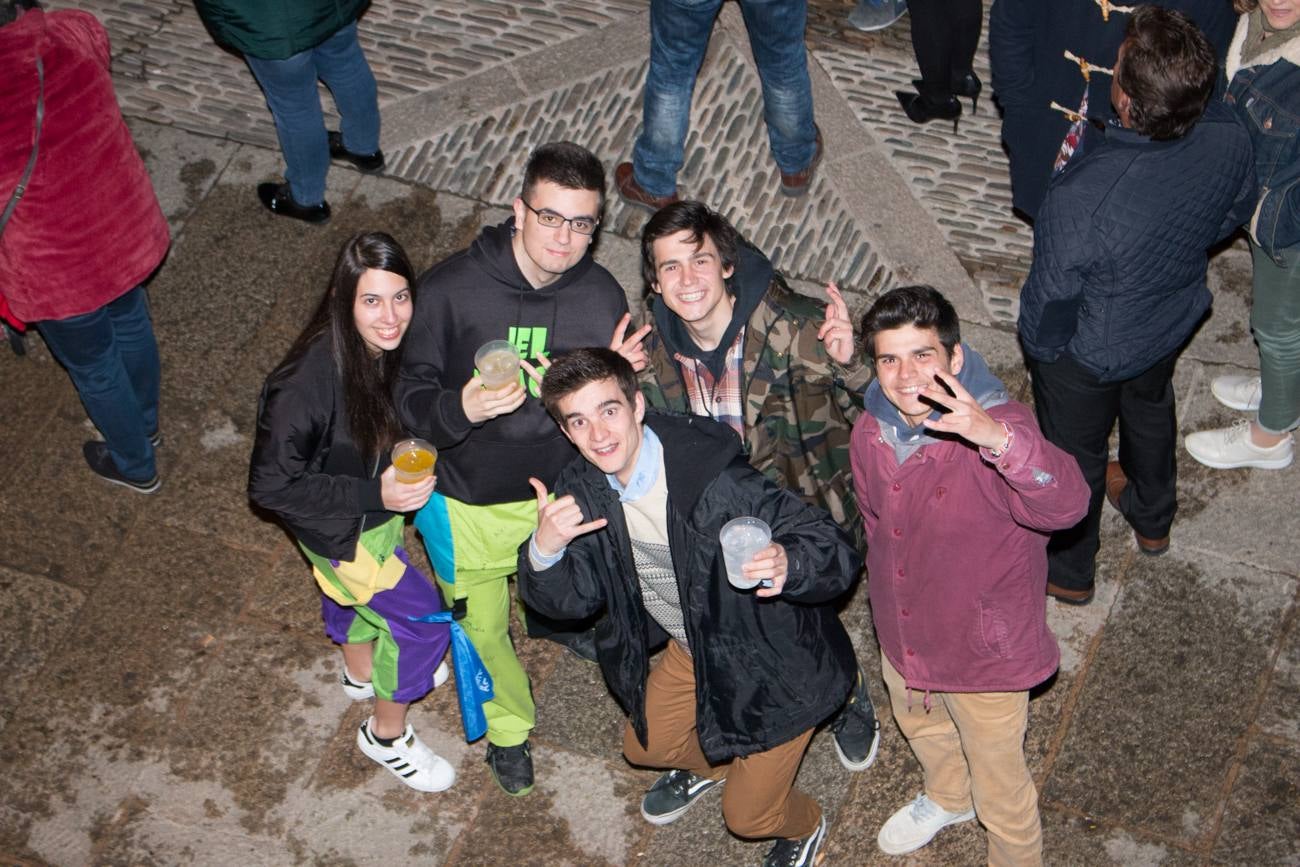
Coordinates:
x,y
747,676
731,341
531,281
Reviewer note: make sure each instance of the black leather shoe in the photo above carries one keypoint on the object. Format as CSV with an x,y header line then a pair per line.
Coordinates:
x,y
921,110
369,164
279,200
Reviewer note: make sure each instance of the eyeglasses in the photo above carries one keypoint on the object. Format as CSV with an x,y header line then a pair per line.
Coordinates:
x,y
552,220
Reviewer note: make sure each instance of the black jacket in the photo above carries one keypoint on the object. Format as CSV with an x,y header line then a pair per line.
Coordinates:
x,y
474,296
305,467
766,670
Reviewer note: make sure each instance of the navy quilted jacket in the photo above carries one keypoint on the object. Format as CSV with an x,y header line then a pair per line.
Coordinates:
x,y
1118,277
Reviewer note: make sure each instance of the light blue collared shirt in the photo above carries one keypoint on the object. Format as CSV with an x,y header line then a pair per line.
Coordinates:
x,y
644,476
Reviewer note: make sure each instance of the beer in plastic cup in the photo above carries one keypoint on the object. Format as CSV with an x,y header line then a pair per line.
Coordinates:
x,y
741,539
413,460
498,364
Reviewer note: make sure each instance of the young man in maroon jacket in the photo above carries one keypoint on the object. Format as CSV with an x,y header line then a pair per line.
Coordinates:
x,y
958,491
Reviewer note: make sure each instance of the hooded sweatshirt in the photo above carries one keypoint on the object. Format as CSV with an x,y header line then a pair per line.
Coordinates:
x,y
474,296
748,286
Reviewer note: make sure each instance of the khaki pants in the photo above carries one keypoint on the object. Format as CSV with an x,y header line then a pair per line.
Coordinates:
x,y
971,746
759,799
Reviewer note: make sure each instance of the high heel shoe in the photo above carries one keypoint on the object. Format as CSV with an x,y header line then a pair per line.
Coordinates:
x,y
969,85
921,110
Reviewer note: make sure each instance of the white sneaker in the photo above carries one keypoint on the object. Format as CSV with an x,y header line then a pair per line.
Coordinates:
x,y
360,690
1230,447
915,825
408,759
1237,392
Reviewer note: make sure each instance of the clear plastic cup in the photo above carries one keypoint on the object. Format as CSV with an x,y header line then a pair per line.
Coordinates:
x,y
498,364
741,539
413,460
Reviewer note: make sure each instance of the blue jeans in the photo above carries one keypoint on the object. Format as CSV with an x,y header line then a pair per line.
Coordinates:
x,y
679,36
291,94
112,358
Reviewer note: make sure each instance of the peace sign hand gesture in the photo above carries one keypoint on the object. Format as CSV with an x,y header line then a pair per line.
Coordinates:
x,y
965,417
559,522
836,332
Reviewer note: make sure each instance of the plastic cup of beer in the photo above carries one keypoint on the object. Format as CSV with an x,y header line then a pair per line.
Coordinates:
x,y
413,460
741,539
498,364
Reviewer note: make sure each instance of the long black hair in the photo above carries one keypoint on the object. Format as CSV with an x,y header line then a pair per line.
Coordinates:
x,y
367,381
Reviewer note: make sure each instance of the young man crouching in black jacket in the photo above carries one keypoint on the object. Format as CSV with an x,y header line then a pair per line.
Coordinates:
x,y
747,676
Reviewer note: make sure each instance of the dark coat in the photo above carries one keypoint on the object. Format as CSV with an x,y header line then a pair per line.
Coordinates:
x,y
89,228
766,670
276,30
1120,245
1266,96
305,466
1027,43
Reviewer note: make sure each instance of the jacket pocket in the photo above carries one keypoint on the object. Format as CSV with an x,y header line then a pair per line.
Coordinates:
x,y
1273,131
993,629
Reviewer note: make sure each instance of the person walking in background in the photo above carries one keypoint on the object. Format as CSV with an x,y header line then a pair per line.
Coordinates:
x,y
945,34
288,47
958,489
748,674
1264,68
1028,41
321,463
1118,281
679,36
85,234
731,341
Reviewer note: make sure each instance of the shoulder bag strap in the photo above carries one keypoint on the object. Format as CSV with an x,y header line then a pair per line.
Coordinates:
x,y
36,145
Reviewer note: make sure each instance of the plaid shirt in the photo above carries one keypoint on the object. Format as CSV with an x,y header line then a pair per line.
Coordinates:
x,y
721,400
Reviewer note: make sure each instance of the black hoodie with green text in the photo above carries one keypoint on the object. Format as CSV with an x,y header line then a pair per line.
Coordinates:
x,y
474,296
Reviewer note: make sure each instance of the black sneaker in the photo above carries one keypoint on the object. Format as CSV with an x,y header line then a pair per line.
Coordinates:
x,y
512,768
101,463
856,729
672,795
797,853
369,164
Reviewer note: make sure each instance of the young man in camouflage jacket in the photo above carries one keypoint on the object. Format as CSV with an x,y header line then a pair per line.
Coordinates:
x,y
733,342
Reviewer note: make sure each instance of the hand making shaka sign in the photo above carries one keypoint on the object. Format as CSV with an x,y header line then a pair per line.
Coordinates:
x,y
559,522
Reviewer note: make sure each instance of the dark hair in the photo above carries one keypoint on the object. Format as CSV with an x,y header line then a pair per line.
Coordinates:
x,y
566,165
577,368
696,218
1168,70
367,381
1244,6
9,9
922,306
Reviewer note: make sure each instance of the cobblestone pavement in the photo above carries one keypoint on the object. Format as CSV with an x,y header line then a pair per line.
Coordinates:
x,y
170,698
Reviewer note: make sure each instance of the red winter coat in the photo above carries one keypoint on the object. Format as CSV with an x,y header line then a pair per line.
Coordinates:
x,y
89,227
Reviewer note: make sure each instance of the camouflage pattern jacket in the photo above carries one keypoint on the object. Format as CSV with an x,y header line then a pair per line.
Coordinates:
x,y
799,403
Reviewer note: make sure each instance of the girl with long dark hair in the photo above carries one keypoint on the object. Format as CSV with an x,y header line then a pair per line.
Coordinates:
x,y
321,463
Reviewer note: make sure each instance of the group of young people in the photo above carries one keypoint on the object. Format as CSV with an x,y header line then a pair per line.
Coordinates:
x,y
603,477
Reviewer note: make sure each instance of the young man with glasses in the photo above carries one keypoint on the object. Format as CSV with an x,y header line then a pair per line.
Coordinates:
x,y
532,281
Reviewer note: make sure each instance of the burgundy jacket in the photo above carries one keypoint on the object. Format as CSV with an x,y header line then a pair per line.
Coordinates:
x,y
89,227
957,553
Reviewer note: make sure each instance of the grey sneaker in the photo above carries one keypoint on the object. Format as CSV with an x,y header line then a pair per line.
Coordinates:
x,y
797,853
672,795
877,14
512,768
856,729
